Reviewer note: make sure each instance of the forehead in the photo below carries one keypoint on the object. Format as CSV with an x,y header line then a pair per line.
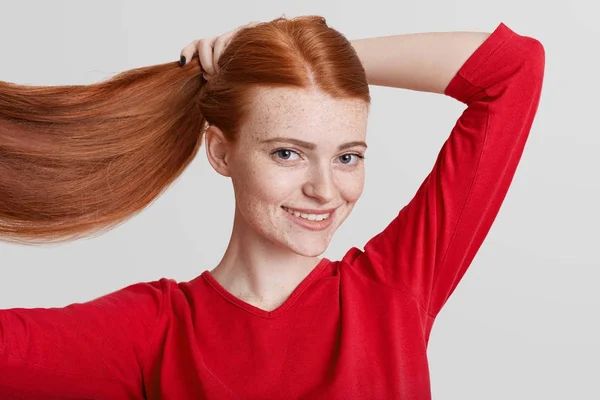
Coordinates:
x,y
305,114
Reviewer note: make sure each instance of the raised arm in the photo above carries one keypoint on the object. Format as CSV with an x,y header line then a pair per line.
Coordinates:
x,y
427,248
81,351
424,62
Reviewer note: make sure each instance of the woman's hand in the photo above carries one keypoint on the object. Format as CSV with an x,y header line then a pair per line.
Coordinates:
x,y
209,50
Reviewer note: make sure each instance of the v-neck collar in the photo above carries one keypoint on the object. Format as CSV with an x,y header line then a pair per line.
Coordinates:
x,y
259,311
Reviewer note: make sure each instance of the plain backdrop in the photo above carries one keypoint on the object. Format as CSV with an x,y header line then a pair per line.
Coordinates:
x,y
524,322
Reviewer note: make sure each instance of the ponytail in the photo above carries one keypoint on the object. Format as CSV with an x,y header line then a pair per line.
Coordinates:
x,y
75,160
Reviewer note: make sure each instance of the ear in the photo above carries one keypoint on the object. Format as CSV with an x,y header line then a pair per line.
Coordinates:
x,y
218,150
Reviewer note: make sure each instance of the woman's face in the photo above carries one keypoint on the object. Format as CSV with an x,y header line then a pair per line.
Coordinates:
x,y
296,168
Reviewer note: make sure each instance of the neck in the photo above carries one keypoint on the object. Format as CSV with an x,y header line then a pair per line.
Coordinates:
x,y
259,271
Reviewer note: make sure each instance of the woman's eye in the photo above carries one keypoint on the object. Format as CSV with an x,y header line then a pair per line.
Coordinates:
x,y
348,158
285,154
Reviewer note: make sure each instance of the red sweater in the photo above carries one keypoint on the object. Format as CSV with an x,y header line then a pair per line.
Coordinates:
x,y
356,328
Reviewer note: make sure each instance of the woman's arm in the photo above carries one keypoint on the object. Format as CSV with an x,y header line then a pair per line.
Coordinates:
x,y
419,61
82,351
426,249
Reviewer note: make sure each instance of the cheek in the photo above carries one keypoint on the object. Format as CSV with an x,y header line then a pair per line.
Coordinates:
x,y
351,185
263,182
259,190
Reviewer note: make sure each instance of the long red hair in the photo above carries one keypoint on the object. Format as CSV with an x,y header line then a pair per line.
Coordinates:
x,y
79,160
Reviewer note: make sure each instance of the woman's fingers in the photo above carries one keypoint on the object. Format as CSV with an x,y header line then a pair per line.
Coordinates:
x,y
205,52
209,50
188,52
218,47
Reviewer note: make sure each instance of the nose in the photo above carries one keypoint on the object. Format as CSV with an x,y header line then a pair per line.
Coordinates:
x,y
320,184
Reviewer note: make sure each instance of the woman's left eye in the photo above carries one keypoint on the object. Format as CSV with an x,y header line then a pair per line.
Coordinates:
x,y
348,158
285,154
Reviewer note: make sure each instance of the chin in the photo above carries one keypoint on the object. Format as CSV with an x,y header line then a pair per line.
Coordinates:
x,y
314,251
309,251
307,247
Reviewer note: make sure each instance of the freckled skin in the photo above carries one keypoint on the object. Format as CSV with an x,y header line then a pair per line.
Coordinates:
x,y
314,179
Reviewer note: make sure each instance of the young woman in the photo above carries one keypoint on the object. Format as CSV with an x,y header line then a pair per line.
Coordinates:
x,y
283,106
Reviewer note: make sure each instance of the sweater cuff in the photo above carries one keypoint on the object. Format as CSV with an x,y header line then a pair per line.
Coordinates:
x,y
462,86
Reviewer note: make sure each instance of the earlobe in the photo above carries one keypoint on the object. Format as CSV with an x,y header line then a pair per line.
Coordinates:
x,y
217,149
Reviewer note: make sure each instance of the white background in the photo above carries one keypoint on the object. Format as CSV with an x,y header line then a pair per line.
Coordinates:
x,y
525,321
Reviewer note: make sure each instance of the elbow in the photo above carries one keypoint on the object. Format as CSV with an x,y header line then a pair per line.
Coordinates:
x,y
534,60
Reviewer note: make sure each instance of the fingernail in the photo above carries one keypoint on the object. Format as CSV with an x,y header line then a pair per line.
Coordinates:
x,y
182,61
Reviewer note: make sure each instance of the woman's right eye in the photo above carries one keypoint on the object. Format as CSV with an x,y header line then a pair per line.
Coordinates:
x,y
286,154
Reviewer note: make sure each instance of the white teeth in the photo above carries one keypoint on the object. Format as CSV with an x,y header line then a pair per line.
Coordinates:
x,y
310,217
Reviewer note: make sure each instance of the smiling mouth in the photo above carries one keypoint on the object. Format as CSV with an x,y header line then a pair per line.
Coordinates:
x,y
308,216
310,221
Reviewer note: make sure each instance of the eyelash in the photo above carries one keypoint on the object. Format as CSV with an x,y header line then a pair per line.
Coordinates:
x,y
274,152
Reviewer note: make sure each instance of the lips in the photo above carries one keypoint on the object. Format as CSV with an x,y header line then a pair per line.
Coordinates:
x,y
311,210
314,221
315,216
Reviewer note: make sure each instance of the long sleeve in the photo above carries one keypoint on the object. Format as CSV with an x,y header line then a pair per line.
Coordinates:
x,y
84,350
427,248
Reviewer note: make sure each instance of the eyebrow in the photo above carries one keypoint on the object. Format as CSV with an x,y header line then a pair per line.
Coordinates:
x,y
312,146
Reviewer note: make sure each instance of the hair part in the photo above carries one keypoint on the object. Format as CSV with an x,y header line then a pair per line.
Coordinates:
x,y
79,160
